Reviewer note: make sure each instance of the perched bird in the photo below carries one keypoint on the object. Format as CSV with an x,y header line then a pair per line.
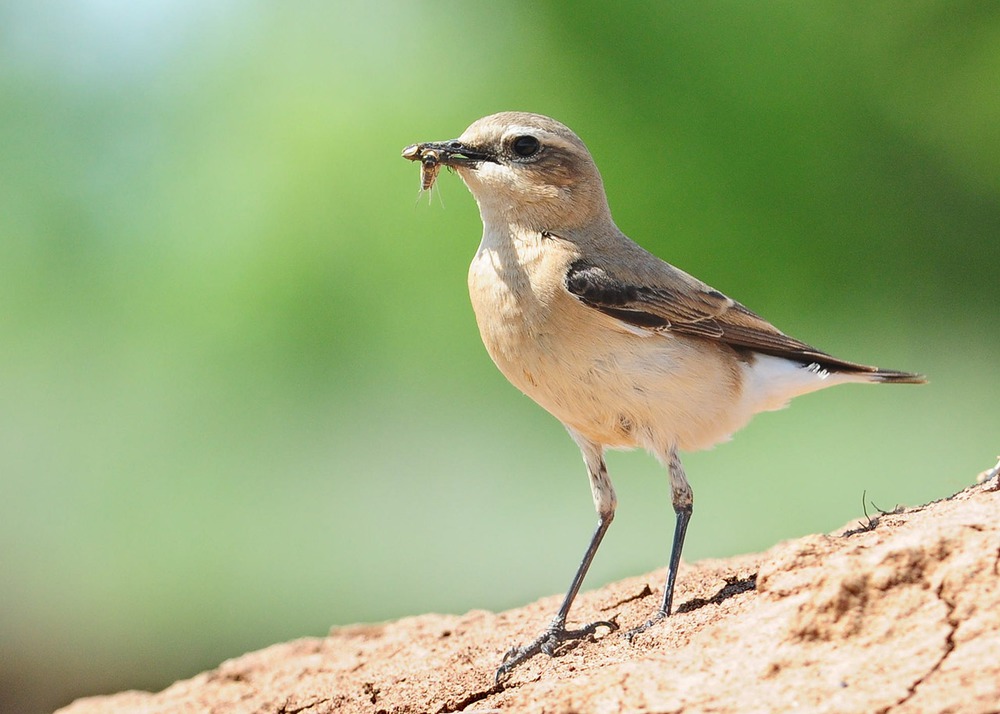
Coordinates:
x,y
621,347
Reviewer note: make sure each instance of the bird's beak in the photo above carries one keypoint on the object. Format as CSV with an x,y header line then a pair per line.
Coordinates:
x,y
449,153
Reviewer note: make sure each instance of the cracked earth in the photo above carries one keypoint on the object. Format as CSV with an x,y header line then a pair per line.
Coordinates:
x,y
903,616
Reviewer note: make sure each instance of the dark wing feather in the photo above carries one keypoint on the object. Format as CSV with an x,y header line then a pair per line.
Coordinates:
x,y
656,308
682,305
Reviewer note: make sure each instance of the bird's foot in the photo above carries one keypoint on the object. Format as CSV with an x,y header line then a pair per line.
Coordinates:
x,y
630,635
549,642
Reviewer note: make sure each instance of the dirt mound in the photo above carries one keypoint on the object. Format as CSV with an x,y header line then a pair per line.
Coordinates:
x,y
900,615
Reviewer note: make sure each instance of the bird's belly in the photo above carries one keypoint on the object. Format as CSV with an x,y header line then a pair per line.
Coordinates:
x,y
610,385
654,392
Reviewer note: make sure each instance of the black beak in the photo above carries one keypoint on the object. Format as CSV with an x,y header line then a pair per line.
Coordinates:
x,y
449,153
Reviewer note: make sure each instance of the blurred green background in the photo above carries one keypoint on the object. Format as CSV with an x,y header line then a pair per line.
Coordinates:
x,y
242,393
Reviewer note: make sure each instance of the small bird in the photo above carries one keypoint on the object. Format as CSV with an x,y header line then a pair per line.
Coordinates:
x,y
623,348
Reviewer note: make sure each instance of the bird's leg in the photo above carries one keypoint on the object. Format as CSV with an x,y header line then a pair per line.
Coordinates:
x,y
556,633
683,501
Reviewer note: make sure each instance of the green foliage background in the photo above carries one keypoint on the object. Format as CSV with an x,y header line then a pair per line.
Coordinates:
x,y
242,394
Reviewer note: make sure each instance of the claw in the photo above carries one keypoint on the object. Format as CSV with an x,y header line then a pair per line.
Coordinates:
x,y
630,635
508,654
548,643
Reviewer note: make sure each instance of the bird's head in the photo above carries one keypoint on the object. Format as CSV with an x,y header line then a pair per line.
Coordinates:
x,y
524,169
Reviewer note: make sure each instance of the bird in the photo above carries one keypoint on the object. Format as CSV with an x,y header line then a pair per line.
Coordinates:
x,y
623,348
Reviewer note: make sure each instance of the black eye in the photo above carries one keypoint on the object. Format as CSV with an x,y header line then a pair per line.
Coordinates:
x,y
526,146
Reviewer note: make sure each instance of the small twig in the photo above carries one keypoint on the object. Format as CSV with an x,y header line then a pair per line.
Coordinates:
x,y
872,522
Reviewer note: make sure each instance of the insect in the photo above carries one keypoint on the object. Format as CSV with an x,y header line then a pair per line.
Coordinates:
x,y
430,164
430,167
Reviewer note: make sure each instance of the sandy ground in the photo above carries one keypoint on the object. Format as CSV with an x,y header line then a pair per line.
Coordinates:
x,y
902,615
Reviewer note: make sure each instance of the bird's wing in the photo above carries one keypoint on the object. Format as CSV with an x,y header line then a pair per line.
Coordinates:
x,y
678,303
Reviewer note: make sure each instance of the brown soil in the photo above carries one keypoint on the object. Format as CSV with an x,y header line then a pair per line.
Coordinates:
x,y
901,615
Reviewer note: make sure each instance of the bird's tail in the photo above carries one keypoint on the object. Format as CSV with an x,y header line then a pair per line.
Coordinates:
x,y
892,376
775,380
856,372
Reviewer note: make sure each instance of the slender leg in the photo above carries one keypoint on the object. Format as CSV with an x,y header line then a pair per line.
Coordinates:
x,y
556,633
683,501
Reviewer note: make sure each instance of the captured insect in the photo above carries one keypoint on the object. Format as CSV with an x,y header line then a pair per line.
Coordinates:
x,y
430,164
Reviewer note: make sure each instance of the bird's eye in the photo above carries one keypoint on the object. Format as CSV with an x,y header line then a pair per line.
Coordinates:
x,y
525,146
